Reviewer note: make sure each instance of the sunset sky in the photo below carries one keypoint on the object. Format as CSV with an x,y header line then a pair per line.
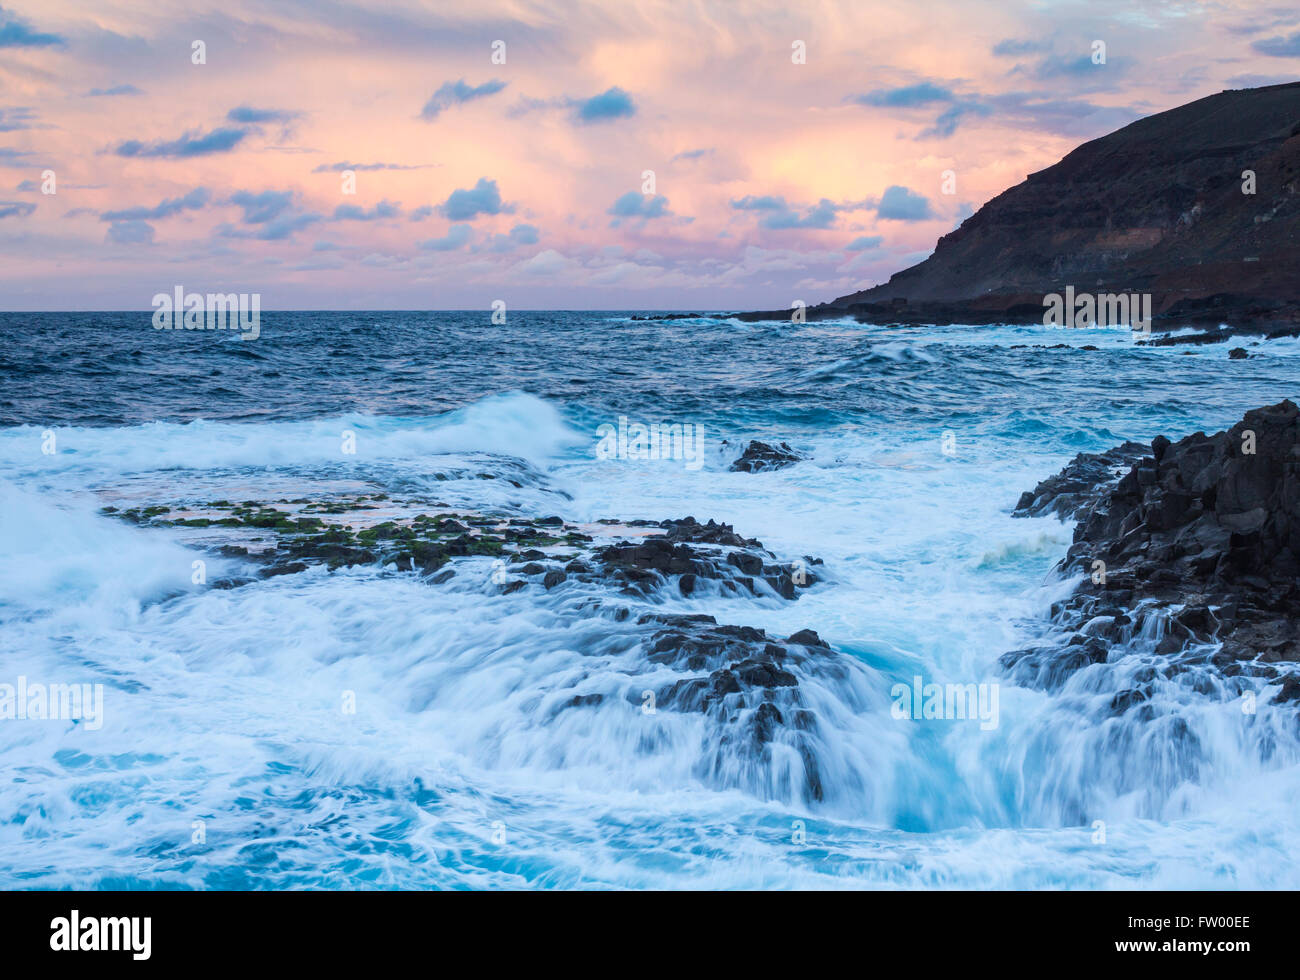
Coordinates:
x,y
774,181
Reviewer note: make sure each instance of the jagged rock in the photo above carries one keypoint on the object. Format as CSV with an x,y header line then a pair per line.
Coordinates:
x,y
760,456
1202,534
739,676
1076,489
688,529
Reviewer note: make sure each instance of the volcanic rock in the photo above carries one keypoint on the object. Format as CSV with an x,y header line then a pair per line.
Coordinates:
x,y
761,456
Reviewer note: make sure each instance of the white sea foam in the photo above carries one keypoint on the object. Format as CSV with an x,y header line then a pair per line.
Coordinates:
x,y
461,765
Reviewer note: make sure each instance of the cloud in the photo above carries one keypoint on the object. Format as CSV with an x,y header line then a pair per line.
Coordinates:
x,y
636,205
285,226
277,229
820,215
864,243
263,207
422,212
1080,67
467,204
1067,117
14,158
115,90
900,204
1258,81
519,235
340,167
1279,47
130,233
525,234
546,263
192,201
611,104
272,211
458,93
16,33
1012,48
946,123
779,215
457,235
189,145
692,154
614,103
908,96
925,94
351,212
767,203
246,115
13,118
20,209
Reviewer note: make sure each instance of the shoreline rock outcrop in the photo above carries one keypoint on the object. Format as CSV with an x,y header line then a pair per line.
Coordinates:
x,y
759,457
1202,533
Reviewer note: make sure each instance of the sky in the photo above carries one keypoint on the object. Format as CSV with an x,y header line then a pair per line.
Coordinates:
x,y
630,154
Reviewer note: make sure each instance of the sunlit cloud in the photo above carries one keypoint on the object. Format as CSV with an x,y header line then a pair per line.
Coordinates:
x,y
525,176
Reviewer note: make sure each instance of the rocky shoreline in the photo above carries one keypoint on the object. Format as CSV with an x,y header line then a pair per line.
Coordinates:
x,y
747,685
1187,553
1212,321
1192,544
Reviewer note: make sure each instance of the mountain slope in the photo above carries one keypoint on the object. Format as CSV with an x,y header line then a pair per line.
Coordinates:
x,y
1154,207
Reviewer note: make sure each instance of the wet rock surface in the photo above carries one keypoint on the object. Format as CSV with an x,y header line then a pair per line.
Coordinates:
x,y
736,563
1196,548
761,456
1072,493
747,685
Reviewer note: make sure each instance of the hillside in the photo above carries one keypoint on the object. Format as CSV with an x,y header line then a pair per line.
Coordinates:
x,y
1155,207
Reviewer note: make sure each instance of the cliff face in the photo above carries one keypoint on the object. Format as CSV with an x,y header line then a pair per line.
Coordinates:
x,y
1156,207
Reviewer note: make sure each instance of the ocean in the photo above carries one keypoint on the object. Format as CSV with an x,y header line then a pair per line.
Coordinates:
x,y
367,727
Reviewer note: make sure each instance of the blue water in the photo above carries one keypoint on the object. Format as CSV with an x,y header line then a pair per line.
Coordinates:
x,y
224,760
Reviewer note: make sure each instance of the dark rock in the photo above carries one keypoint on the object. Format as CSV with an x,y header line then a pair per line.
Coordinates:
x,y
760,456
288,568
807,638
1290,690
689,530
583,701
1204,533
1238,354
1076,489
